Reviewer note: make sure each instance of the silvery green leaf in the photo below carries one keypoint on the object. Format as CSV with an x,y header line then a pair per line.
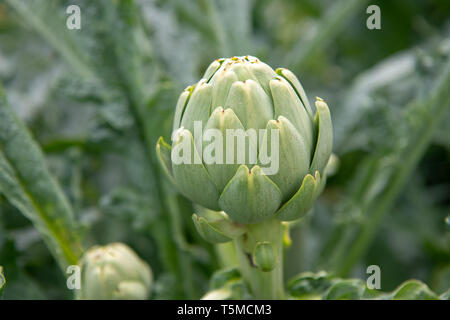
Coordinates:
x,y
27,184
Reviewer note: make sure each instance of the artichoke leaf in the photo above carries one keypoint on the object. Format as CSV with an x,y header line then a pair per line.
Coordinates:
x,y
191,176
264,74
220,168
301,202
250,103
324,141
250,196
212,69
287,104
293,156
181,106
295,83
218,228
198,107
163,151
208,231
221,82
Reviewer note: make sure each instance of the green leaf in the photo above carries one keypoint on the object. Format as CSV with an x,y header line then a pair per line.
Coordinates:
x,y
2,279
351,289
287,104
222,170
163,153
199,106
221,277
41,16
330,25
181,106
295,83
216,227
445,295
301,202
293,155
208,231
324,142
413,290
193,173
250,103
227,284
310,285
27,183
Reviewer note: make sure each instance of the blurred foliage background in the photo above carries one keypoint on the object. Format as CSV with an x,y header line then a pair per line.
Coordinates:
x,y
97,99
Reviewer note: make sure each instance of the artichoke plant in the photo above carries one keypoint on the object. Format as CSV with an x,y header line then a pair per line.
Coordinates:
x,y
114,272
248,148
245,93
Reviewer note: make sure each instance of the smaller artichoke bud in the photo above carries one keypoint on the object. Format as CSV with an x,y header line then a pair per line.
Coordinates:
x,y
114,272
264,256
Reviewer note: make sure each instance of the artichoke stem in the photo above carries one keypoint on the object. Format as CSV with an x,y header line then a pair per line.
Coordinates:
x,y
266,285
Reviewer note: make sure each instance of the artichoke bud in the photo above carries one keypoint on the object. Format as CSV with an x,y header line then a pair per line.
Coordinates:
x,y
114,272
248,143
264,256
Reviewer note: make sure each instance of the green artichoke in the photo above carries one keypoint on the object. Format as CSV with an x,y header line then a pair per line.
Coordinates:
x,y
243,93
114,272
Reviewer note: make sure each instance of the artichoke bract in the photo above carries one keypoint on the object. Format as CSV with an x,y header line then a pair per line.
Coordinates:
x,y
247,142
114,272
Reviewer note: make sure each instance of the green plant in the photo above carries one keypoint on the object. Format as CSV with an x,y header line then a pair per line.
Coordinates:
x,y
238,95
82,109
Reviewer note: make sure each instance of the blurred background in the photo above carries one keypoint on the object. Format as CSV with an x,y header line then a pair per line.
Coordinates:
x,y
97,99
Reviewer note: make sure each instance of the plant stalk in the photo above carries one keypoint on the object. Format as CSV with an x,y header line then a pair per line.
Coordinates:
x,y
263,285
